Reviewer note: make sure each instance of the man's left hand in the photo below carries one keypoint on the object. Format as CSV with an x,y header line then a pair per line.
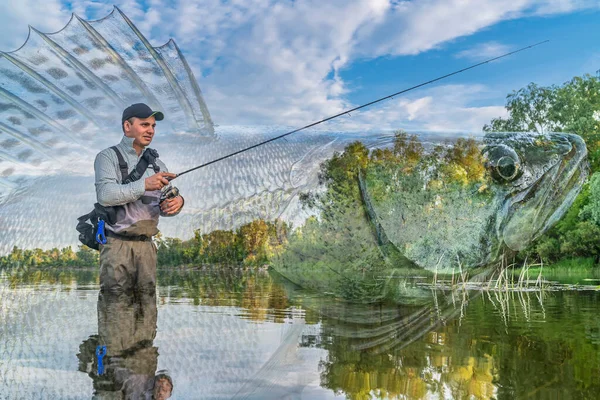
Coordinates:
x,y
171,206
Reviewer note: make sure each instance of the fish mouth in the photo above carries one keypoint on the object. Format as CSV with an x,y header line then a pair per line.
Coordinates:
x,y
530,212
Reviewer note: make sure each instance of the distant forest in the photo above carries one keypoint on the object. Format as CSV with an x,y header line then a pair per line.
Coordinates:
x,y
252,244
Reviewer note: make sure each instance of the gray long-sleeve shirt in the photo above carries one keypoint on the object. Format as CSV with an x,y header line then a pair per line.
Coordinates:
x,y
139,207
109,189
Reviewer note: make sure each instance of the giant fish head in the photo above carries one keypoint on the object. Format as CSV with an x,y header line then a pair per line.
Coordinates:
x,y
538,177
527,183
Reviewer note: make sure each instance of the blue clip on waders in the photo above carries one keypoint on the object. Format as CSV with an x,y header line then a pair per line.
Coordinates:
x,y
100,236
100,353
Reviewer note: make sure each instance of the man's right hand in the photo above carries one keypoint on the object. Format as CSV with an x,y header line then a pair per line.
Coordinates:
x,y
158,180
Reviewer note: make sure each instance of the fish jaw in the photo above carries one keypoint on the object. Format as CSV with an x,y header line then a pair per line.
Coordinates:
x,y
531,212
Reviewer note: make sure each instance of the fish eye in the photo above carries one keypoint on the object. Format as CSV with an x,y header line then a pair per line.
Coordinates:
x,y
507,168
503,163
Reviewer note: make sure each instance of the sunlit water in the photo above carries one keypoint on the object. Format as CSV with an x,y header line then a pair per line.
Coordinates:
x,y
252,336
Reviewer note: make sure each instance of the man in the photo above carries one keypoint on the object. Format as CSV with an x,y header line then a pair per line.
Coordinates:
x,y
128,259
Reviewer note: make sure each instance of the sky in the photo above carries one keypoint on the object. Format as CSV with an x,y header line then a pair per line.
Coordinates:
x,y
289,63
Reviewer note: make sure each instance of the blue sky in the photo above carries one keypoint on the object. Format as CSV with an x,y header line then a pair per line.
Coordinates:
x,y
265,62
573,49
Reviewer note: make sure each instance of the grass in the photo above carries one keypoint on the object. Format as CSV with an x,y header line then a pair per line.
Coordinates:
x,y
574,270
512,276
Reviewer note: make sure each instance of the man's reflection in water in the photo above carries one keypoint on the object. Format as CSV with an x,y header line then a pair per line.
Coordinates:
x,y
127,327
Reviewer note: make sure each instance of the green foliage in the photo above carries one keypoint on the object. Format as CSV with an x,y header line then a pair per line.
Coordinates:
x,y
65,257
530,110
591,210
465,155
87,256
340,172
407,150
218,246
576,234
547,248
171,251
573,216
576,270
572,107
252,244
339,251
582,241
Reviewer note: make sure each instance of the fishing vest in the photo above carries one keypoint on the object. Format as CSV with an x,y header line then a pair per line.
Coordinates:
x,y
138,219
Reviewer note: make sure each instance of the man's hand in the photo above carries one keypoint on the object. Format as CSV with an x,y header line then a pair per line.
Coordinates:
x,y
158,180
171,206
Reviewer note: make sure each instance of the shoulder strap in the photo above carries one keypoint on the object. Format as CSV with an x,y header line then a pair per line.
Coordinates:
x,y
149,157
122,164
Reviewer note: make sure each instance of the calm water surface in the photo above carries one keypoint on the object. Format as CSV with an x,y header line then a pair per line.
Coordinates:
x,y
253,336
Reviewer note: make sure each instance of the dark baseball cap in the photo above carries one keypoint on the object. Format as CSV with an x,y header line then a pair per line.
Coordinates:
x,y
141,110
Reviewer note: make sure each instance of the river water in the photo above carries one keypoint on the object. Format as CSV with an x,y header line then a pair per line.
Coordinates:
x,y
224,335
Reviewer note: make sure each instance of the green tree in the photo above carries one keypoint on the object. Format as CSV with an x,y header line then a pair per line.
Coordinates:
x,y
529,109
572,107
582,241
86,257
591,210
408,148
219,246
465,156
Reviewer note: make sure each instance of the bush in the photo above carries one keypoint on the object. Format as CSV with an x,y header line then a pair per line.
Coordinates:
x,y
591,210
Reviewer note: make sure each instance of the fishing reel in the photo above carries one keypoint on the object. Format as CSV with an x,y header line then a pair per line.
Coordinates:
x,y
168,192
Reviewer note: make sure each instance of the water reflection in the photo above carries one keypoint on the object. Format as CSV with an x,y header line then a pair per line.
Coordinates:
x,y
385,357
253,336
503,345
127,327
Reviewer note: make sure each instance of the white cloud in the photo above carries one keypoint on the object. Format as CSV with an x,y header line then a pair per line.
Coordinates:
x,y
415,108
46,15
483,51
280,62
549,7
275,62
445,108
414,27
411,27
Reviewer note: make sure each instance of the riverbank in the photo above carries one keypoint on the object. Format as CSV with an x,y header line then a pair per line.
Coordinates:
x,y
582,271
577,271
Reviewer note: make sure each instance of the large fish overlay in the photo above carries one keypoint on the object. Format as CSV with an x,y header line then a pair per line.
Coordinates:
x,y
61,97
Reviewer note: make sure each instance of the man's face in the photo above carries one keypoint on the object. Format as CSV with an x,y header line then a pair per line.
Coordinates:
x,y
162,389
141,130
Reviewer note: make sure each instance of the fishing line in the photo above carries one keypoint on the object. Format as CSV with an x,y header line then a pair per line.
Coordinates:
x,y
357,108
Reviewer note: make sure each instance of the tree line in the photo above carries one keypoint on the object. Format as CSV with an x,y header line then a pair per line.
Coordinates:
x,y
252,244
64,257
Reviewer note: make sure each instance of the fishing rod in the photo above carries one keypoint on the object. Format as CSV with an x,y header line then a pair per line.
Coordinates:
x,y
356,108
